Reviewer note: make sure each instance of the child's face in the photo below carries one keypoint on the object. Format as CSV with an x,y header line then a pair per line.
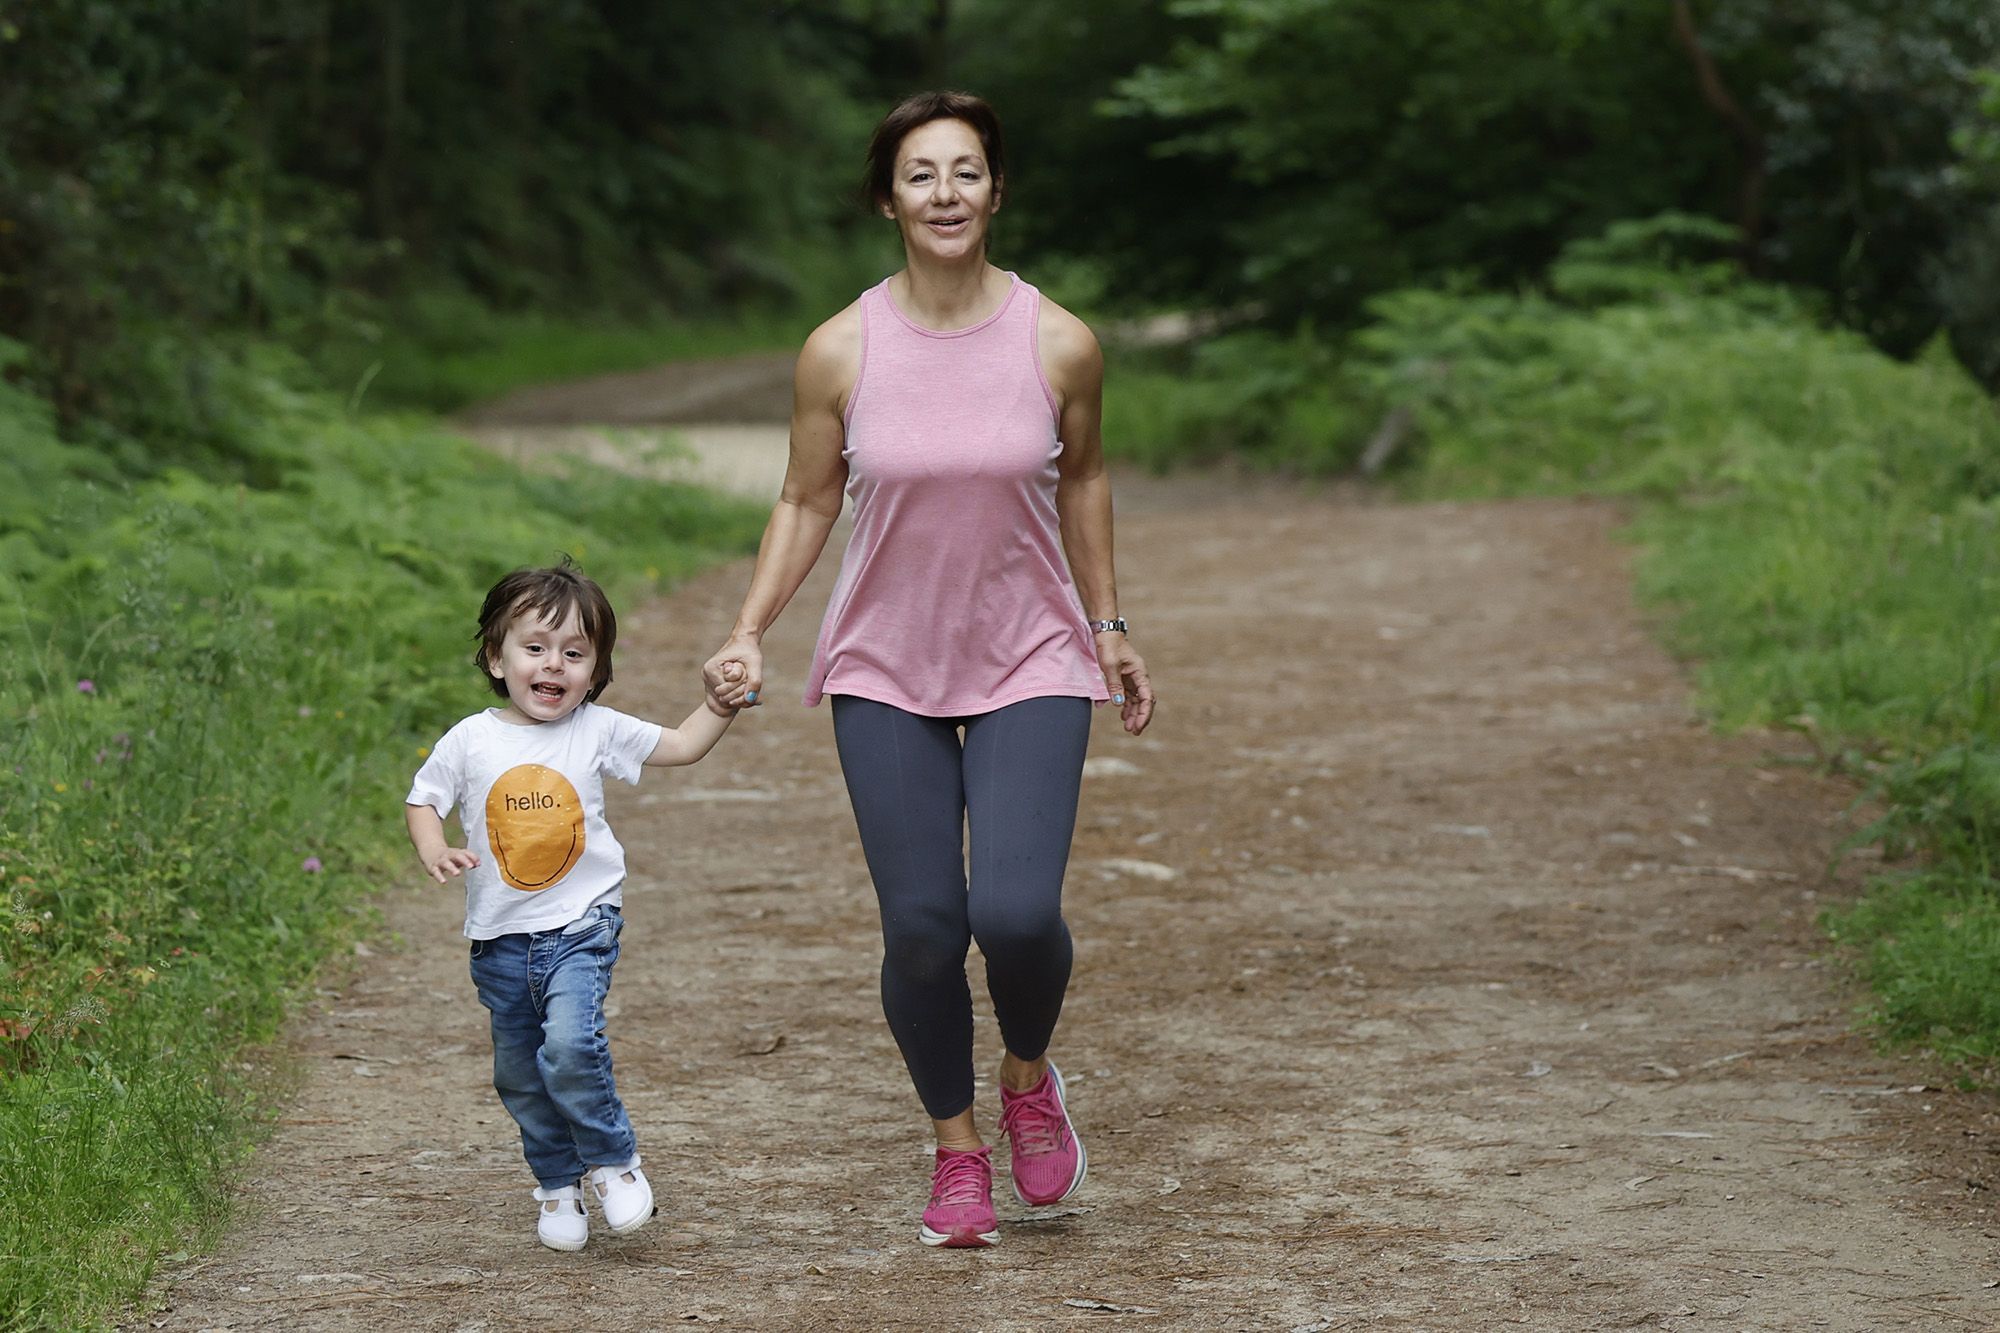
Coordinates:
x,y
547,668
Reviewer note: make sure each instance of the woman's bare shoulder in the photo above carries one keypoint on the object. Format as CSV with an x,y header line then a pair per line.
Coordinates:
x,y
835,342
1070,353
830,361
1065,339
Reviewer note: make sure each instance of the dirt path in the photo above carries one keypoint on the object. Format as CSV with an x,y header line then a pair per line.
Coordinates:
x,y
1435,970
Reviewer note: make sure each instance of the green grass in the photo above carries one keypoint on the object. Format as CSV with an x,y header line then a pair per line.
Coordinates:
x,y
1822,517
1274,402
1821,521
215,695
1929,948
440,352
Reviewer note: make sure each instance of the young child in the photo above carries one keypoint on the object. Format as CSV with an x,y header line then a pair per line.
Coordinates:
x,y
543,875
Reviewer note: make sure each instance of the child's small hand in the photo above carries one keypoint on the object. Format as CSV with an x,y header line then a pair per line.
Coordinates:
x,y
453,861
731,671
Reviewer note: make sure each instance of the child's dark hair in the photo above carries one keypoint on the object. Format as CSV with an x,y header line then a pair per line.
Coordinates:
x,y
552,594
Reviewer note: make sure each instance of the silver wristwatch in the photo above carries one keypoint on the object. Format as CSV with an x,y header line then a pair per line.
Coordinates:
x,y
1101,626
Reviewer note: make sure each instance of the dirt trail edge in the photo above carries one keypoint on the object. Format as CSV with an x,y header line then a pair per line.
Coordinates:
x,y
1436,969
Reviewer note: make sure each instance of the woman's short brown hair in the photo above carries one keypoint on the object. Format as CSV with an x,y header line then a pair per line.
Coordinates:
x,y
921,109
550,594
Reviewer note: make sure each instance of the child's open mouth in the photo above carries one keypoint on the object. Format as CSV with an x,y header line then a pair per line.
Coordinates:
x,y
550,693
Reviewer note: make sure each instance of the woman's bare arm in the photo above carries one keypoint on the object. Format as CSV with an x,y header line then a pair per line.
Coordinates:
x,y
1075,367
807,508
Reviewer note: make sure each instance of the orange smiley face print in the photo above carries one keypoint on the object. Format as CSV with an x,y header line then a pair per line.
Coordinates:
x,y
534,824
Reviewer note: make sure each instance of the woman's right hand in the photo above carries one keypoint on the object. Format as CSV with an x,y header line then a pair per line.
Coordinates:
x,y
741,689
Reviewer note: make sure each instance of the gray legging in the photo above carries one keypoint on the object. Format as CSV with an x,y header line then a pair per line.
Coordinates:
x,y
913,783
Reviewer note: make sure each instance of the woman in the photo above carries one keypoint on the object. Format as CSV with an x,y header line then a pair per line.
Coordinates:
x,y
960,411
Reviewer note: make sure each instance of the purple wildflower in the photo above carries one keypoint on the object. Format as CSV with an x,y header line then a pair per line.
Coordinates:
x,y
311,865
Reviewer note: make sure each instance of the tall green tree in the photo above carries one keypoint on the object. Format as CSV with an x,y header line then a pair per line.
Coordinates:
x,y
1858,102
1086,185
1966,278
1374,143
180,169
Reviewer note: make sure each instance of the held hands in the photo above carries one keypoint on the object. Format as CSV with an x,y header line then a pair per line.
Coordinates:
x,y
734,677
732,673
1125,674
450,863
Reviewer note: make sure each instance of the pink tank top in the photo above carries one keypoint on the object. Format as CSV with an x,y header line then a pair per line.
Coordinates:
x,y
953,597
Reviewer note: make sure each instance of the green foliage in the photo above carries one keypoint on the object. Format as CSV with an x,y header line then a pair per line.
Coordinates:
x,y
219,692
1369,145
1374,143
136,189
1085,186
1857,102
1929,947
1824,517
182,171
1277,402
1967,276
441,350
1673,254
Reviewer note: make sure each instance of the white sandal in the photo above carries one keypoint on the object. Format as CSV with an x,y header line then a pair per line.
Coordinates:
x,y
565,1226
627,1204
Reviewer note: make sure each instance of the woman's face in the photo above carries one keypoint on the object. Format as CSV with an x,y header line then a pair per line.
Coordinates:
x,y
942,195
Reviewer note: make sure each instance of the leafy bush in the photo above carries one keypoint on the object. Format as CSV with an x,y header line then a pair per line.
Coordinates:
x,y
1823,517
1277,402
442,349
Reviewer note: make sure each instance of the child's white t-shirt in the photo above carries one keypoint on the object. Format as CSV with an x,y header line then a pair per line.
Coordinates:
x,y
531,799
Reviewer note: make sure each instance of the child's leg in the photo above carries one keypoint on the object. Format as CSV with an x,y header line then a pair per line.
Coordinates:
x,y
500,969
575,1057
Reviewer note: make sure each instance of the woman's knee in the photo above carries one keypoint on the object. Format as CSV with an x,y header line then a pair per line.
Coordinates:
x,y
1014,929
924,953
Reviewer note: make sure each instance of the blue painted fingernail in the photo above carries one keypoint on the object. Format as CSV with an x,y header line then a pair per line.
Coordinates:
x,y
1118,698
750,698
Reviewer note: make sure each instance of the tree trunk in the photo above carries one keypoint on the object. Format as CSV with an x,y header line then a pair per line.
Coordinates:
x,y
319,56
1389,437
1749,139
388,158
937,45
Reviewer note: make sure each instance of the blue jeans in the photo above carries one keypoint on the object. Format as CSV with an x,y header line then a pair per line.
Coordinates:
x,y
551,1061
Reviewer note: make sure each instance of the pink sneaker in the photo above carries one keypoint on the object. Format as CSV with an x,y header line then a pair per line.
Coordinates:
x,y
1048,1160
961,1212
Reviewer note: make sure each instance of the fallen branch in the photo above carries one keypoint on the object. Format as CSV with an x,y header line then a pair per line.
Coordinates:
x,y
1389,437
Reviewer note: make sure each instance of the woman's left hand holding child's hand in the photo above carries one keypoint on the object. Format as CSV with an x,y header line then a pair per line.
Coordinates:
x,y
732,672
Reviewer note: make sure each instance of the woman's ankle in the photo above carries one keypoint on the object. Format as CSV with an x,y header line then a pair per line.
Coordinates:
x,y
958,1134
1018,1075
